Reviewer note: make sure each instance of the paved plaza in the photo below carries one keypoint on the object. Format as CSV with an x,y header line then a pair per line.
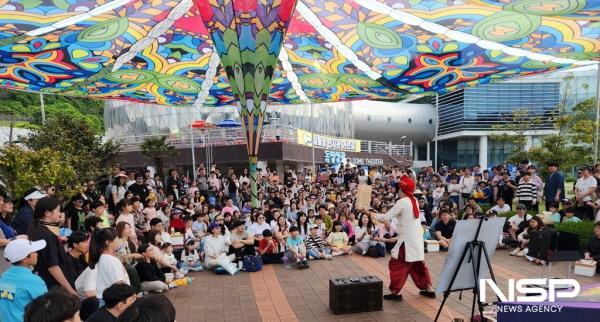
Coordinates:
x,y
280,294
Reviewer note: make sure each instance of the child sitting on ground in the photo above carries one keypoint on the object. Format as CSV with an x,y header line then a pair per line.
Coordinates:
x,y
269,249
151,276
314,244
169,257
295,248
570,216
338,240
190,260
199,225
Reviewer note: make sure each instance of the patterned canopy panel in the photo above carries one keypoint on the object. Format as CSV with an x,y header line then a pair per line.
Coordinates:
x,y
159,51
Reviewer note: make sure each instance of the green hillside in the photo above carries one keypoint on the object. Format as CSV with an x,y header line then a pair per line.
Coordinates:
x,y
26,106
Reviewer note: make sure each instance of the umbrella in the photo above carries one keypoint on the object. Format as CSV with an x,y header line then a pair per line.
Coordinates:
x,y
228,123
201,124
229,52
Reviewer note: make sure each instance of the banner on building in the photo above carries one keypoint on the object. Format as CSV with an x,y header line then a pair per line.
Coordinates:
x,y
327,142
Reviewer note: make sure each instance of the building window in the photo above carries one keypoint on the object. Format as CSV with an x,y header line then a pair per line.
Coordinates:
x,y
409,120
430,121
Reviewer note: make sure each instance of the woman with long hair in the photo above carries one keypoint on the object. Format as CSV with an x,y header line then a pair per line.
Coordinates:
x,y
303,224
363,232
281,231
53,263
109,269
125,214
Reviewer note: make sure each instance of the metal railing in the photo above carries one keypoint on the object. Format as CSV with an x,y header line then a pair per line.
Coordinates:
x,y
236,136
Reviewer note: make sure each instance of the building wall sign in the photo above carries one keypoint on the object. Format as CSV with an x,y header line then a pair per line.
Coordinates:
x,y
368,162
327,142
332,158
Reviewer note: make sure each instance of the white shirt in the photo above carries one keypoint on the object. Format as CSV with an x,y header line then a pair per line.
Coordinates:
x,y
257,229
110,270
215,246
467,184
358,232
516,220
454,189
502,210
583,185
86,282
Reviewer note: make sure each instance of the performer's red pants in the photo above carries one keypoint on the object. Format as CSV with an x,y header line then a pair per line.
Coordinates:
x,y
400,269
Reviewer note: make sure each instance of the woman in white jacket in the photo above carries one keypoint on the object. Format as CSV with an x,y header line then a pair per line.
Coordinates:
x,y
408,255
215,244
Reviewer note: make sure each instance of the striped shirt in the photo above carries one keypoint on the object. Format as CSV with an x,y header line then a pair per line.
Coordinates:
x,y
314,243
527,191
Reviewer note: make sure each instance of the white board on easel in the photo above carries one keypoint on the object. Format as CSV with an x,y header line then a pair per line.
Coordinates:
x,y
464,232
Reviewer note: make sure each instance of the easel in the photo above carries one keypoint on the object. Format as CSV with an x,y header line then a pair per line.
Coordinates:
x,y
474,249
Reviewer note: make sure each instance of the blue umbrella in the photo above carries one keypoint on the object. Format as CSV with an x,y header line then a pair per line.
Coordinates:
x,y
228,123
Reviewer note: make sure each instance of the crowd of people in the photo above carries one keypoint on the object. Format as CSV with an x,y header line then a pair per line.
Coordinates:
x,y
103,254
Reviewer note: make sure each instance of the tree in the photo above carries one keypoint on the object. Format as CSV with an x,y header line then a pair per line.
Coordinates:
x,y
572,143
21,169
24,105
156,149
77,142
513,130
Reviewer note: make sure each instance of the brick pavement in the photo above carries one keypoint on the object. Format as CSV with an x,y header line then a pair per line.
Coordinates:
x,y
279,294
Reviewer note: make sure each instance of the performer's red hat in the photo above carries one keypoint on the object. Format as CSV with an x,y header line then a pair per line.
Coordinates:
x,y
407,185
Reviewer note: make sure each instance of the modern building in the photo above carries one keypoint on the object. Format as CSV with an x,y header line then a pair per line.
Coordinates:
x,y
462,126
468,117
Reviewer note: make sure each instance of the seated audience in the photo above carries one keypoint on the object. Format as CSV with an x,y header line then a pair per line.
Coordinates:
x,y
296,251
18,285
117,298
444,230
269,249
570,216
151,276
190,259
592,250
338,240
315,246
518,222
54,306
156,308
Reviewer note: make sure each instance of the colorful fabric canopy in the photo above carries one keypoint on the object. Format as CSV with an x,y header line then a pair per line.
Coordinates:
x,y
159,51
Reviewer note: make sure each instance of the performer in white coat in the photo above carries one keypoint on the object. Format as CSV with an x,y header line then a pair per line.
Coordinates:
x,y
408,254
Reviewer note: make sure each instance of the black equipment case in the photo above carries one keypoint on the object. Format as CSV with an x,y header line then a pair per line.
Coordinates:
x,y
355,294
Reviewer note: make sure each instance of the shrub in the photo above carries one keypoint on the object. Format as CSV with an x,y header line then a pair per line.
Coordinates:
x,y
585,230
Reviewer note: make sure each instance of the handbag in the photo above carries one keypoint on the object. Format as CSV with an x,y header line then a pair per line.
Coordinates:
x,y
252,263
372,252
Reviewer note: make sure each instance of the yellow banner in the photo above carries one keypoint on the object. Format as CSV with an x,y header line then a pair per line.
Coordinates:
x,y
327,142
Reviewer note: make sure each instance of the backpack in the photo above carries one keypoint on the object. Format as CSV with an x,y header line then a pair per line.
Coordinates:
x,y
252,263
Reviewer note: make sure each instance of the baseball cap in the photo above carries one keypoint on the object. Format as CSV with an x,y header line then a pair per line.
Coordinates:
x,y
213,226
521,206
314,226
35,195
18,249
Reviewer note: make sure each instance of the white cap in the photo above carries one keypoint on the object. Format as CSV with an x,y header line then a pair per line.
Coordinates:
x,y
35,195
18,249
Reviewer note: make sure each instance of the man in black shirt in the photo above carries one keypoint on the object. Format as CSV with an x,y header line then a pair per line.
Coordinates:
x,y
78,247
593,249
506,189
117,298
444,230
139,188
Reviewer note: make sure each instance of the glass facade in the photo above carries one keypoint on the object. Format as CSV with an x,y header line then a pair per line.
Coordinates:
x,y
480,108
